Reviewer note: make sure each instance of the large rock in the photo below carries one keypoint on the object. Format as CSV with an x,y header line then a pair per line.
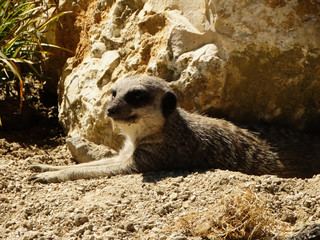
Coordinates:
x,y
243,60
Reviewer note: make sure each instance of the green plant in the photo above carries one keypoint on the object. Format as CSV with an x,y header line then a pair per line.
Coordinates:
x,y
22,25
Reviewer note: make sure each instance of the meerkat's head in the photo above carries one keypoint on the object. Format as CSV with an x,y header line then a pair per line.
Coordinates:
x,y
141,102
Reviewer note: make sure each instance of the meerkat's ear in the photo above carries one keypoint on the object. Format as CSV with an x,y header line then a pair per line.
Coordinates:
x,y
169,103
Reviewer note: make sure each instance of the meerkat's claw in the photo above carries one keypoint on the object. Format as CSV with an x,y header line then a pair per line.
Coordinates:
x,y
36,178
44,168
46,177
36,168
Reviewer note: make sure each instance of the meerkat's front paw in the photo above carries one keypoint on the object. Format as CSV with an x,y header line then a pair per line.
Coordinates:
x,y
43,168
46,177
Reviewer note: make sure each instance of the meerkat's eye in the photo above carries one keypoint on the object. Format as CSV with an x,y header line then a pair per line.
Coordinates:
x,y
138,98
113,94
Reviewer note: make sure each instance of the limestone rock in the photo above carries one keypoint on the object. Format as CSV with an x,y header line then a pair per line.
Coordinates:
x,y
243,60
84,151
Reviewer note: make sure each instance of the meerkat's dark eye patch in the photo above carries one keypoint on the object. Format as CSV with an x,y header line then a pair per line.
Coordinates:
x,y
138,98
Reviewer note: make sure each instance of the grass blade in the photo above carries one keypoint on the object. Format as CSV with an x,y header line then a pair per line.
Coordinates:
x,y
53,19
14,68
55,46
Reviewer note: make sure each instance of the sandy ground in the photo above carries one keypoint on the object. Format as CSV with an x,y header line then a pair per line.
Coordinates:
x,y
163,205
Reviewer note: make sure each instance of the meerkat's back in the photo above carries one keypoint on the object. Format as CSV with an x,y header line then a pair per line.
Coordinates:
x,y
217,143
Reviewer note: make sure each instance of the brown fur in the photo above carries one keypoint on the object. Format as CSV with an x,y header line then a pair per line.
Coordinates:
x,y
161,136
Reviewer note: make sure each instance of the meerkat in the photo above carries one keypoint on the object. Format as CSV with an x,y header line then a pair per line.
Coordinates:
x,y
162,136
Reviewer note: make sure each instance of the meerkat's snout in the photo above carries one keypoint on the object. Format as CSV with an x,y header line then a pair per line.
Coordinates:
x,y
127,103
112,110
121,111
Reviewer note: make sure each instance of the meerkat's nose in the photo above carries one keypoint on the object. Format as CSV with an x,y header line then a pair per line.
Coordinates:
x,y
112,110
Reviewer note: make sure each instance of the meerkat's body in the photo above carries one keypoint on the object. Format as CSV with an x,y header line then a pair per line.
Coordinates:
x,y
162,136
